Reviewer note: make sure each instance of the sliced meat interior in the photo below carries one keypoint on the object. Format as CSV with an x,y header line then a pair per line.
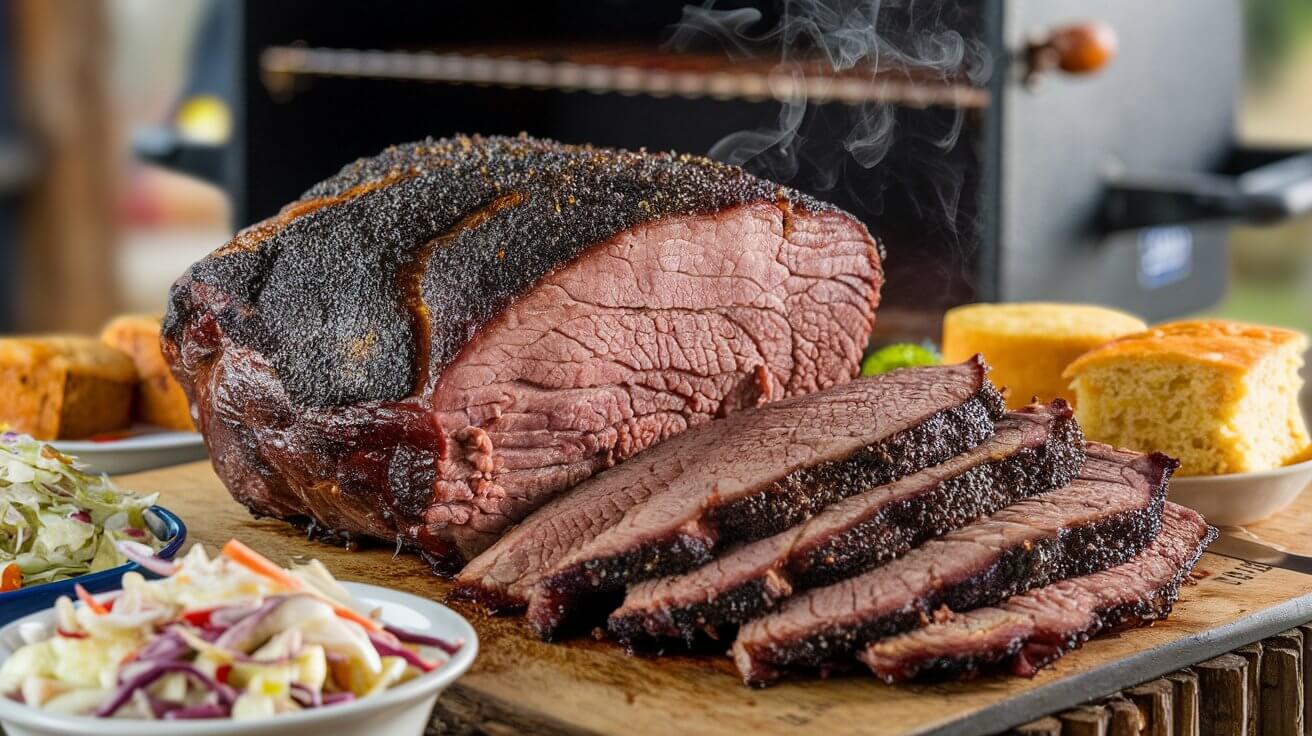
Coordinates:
x,y
1031,630
750,475
1102,518
434,342
1033,450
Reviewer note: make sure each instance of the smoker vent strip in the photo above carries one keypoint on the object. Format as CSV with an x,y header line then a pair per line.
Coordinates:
x,y
720,80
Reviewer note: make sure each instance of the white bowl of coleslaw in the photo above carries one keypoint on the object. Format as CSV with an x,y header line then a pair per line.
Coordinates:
x,y
401,707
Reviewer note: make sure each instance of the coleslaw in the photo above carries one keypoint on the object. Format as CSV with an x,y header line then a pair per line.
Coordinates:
x,y
58,521
233,636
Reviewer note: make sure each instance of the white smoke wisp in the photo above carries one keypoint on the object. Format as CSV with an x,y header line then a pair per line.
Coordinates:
x,y
915,40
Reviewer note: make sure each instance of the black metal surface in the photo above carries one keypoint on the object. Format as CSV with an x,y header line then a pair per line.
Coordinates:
x,y
296,139
1030,172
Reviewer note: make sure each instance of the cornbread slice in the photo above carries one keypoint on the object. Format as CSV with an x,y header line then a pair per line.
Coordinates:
x,y
1030,344
1220,396
60,387
160,400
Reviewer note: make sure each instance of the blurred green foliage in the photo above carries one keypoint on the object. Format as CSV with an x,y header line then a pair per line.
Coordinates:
x,y
1273,29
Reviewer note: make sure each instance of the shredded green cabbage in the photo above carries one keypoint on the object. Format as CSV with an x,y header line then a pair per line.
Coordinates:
x,y
58,521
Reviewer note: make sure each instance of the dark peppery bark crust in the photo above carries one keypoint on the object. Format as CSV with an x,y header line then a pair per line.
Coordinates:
x,y
770,510
859,532
434,342
483,219
1030,631
761,652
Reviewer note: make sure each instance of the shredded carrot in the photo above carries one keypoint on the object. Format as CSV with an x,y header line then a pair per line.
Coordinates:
x,y
359,618
261,565
11,578
90,602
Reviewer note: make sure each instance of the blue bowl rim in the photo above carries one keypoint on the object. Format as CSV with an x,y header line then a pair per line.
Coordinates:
x,y
177,537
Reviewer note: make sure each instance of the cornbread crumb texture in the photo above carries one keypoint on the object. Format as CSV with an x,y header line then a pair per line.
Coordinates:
x,y
61,387
1221,396
160,400
1028,345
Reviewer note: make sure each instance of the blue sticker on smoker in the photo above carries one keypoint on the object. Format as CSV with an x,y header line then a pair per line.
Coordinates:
x,y
1166,255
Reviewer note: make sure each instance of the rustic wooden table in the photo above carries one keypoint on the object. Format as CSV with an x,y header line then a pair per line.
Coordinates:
x,y
586,686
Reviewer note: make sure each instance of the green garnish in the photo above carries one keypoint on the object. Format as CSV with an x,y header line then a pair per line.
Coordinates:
x,y
899,355
58,521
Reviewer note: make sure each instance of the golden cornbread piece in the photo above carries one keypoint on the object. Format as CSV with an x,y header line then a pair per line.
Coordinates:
x,y
1220,396
160,400
56,387
1028,345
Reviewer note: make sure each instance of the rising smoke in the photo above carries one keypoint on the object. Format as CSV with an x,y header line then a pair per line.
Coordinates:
x,y
921,39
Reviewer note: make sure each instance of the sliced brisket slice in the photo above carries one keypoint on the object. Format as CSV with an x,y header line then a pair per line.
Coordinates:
x,y
749,475
1033,450
1032,630
1105,516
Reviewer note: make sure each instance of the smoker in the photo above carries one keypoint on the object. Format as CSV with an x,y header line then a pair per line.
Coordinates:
x,y
1076,175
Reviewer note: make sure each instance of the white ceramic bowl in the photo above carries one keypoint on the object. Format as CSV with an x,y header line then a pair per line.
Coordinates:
x,y
400,711
1242,498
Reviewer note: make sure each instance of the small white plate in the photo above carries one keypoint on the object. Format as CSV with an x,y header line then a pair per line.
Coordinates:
x,y
401,711
143,447
1242,498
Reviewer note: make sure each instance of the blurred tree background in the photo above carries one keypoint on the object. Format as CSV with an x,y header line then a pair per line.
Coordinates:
x,y
1271,267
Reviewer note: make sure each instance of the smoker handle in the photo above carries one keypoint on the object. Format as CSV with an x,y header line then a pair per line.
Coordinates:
x,y
1078,48
1270,193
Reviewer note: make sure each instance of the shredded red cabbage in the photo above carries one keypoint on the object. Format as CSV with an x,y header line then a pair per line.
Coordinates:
x,y
336,698
203,710
423,640
163,568
388,649
225,694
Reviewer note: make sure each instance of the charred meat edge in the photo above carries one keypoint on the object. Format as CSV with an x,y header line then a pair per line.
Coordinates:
x,y
1025,656
1108,542
780,505
893,530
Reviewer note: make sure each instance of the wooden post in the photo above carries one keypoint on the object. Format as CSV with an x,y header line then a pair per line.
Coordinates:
x,y
1290,639
1185,703
1126,719
1154,700
66,269
1047,726
1252,653
1223,696
1086,720
1282,691
1307,678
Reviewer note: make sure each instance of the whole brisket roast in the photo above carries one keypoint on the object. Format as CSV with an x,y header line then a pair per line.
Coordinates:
x,y
1031,630
1110,513
753,474
434,342
1033,450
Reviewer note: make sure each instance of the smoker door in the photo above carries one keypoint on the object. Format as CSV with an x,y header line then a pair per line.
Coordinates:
x,y
1165,103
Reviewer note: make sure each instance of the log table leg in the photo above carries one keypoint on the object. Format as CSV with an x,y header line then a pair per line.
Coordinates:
x,y
1127,720
1223,696
1306,630
1154,700
1252,653
1086,720
1185,683
1282,691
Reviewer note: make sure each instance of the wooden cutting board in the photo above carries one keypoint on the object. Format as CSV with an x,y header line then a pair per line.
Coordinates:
x,y
586,686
